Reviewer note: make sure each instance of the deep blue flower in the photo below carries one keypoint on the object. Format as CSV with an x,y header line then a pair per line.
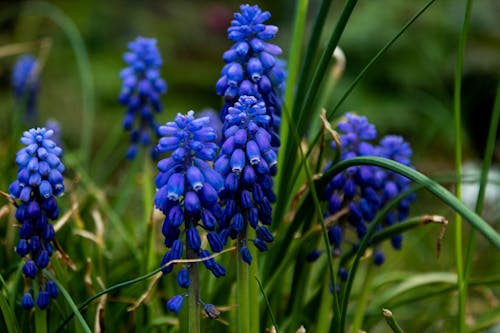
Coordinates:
x,y
27,301
25,83
175,303
364,190
43,300
245,161
39,180
187,193
252,67
142,87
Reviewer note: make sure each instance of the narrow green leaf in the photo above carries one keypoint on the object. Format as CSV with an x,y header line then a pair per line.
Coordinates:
x,y
414,282
72,304
444,195
273,319
8,314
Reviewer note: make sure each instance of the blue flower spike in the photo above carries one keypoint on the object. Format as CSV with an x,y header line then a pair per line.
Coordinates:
x,y
39,181
364,190
141,89
252,65
188,194
244,161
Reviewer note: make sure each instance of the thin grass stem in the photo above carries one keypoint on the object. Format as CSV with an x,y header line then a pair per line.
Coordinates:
x,y
461,284
488,155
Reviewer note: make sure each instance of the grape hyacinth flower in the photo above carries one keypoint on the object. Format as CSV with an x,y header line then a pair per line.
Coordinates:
x,y
141,90
395,148
247,161
252,67
39,181
188,195
363,190
25,83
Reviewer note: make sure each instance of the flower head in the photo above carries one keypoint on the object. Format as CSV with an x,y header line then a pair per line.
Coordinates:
x,y
363,190
141,90
25,83
188,193
247,162
252,67
38,182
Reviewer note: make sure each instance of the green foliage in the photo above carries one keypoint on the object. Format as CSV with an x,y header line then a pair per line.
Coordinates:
x,y
398,72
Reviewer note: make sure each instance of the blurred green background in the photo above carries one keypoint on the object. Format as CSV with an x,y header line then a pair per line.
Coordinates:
x,y
408,92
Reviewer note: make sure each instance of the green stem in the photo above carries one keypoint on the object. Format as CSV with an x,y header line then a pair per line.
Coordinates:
x,y
488,155
149,256
462,291
362,300
269,309
318,211
40,321
391,321
253,296
193,294
243,291
294,60
72,305
9,317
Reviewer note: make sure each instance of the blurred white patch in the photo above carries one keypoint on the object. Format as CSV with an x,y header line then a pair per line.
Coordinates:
x,y
470,190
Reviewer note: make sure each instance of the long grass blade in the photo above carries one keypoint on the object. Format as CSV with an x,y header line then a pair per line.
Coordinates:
x,y
444,195
72,304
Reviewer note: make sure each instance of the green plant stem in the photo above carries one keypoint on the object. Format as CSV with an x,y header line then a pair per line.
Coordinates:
x,y
488,155
391,321
294,59
72,305
269,309
319,214
243,292
254,293
149,258
357,322
40,321
193,294
300,112
462,291
9,317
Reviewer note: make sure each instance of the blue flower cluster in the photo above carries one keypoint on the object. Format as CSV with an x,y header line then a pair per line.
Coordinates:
x,y
252,67
363,190
39,180
141,90
247,162
25,82
188,193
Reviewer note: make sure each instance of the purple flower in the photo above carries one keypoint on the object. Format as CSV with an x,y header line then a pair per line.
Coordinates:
x,y
364,190
188,192
246,161
38,182
252,67
142,87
